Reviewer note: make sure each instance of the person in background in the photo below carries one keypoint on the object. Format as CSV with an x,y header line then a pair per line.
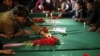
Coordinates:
x,y
79,12
95,17
48,5
39,6
6,5
70,12
65,6
89,9
12,23
30,4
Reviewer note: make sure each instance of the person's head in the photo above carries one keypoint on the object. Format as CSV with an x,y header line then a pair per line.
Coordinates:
x,y
97,1
48,1
21,13
72,1
7,3
89,6
85,1
78,5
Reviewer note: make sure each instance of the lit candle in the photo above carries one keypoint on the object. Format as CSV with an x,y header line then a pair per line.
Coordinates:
x,y
84,25
46,15
31,11
51,16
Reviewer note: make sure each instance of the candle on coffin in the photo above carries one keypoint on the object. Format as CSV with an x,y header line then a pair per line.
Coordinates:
x,y
84,25
51,17
31,11
46,15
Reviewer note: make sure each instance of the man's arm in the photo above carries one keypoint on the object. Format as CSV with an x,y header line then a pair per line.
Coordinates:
x,y
8,51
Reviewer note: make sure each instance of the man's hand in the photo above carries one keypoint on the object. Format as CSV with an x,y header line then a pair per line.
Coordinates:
x,y
60,15
48,35
92,29
27,32
77,19
4,35
8,51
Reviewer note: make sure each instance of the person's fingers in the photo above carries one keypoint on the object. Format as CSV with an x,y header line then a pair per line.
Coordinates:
x,y
49,35
4,36
11,51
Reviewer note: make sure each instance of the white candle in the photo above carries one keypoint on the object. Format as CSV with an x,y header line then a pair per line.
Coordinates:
x,y
84,25
46,15
31,11
51,16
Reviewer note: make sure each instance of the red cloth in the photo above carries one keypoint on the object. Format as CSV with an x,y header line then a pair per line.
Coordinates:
x,y
98,55
86,54
45,29
38,20
45,41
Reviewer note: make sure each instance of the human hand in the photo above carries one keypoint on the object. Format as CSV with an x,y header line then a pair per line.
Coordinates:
x,y
4,35
48,35
8,51
27,32
98,30
92,29
77,19
60,15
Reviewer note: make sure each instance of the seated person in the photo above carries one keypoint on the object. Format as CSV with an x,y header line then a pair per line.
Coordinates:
x,y
12,23
79,12
71,10
5,5
48,5
65,6
95,17
89,6
39,7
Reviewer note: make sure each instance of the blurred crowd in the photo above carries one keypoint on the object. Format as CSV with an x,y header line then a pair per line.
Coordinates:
x,y
87,11
13,17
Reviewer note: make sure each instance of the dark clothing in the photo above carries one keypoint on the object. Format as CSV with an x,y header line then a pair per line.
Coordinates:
x,y
12,28
95,16
88,13
4,8
48,6
80,13
1,45
28,3
69,14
